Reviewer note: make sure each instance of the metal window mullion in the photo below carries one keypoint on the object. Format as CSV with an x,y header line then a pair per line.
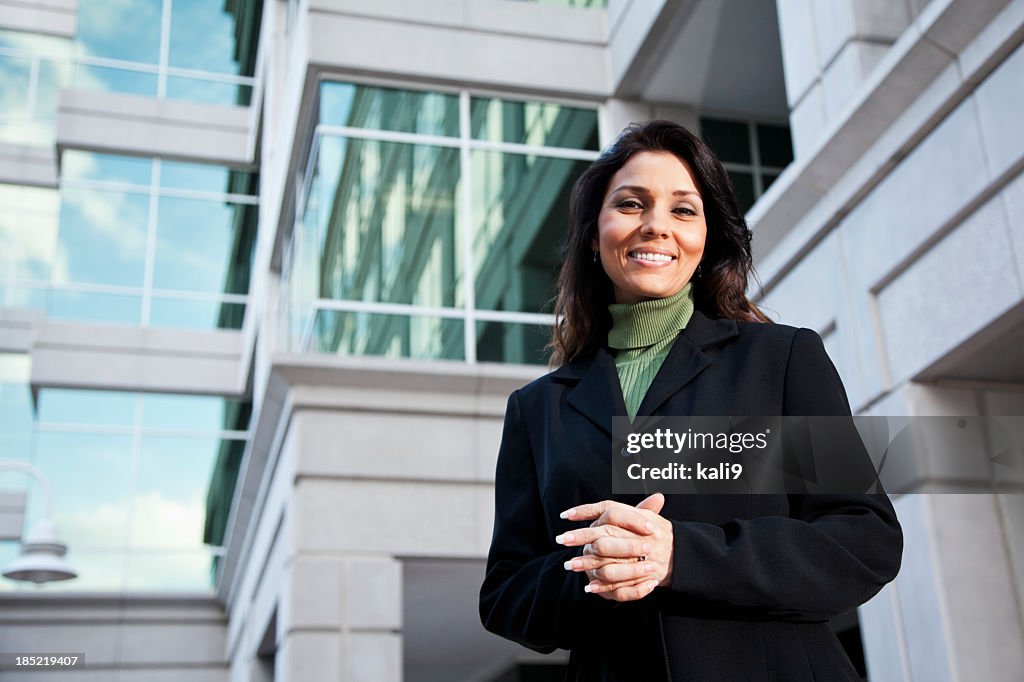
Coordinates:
x,y
151,225
515,317
33,86
755,158
534,150
165,50
324,129
381,308
466,215
132,188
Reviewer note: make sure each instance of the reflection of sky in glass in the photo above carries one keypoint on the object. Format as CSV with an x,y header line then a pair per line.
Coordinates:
x,y
208,91
28,231
14,78
15,409
79,165
103,236
194,239
82,306
132,503
97,408
182,314
120,29
201,177
202,36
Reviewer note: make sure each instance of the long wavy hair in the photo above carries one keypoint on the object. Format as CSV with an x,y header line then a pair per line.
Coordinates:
x,y
584,289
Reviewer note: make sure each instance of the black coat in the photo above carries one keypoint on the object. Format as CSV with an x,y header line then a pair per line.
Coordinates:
x,y
756,577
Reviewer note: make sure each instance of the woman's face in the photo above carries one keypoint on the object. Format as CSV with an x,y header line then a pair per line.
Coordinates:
x,y
651,228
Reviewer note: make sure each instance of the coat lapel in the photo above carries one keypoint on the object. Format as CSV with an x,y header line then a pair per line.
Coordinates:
x,y
598,395
686,359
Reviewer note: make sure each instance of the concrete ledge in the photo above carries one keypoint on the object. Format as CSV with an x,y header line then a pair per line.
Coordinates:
x,y
53,17
70,355
128,124
783,228
27,165
16,328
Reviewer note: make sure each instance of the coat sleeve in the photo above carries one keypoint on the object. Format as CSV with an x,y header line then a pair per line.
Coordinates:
x,y
831,554
527,596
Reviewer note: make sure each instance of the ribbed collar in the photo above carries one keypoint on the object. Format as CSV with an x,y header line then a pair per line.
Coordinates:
x,y
643,324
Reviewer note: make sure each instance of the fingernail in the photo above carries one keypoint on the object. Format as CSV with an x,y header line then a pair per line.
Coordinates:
x,y
586,588
567,565
564,538
568,513
652,584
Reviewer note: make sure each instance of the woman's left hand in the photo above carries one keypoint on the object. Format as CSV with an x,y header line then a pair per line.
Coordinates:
x,y
628,551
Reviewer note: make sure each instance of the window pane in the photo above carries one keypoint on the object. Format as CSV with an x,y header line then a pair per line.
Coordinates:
x,y
193,412
113,79
533,123
364,106
102,238
170,571
98,571
93,307
520,212
91,478
208,91
28,232
14,80
383,215
743,184
187,314
767,179
396,336
774,145
730,140
96,408
78,165
512,342
15,412
196,244
120,30
209,49
203,177
169,505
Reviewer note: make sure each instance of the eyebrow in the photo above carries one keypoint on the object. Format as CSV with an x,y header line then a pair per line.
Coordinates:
x,y
643,190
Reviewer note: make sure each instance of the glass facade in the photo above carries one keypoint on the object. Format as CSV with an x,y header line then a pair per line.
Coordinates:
x,y
144,481
136,241
144,47
753,153
429,223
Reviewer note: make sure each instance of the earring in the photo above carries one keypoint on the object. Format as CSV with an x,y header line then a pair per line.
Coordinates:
x,y
597,257
699,273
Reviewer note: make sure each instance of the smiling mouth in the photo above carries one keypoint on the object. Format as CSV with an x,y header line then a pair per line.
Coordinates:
x,y
650,257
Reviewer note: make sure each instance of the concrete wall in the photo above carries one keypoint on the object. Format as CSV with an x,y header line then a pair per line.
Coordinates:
x,y
145,638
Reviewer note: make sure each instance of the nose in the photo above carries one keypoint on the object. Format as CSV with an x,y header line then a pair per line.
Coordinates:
x,y
654,226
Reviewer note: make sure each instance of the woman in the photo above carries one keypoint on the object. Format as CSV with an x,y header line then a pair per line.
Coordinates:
x,y
654,320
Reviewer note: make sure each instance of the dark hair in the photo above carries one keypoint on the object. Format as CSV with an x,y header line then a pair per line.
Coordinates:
x,y
584,290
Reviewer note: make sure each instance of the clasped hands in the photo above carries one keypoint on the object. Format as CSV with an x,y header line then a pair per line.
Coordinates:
x,y
627,551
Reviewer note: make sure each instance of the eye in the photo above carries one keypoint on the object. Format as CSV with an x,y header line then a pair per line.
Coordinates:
x,y
629,203
684,210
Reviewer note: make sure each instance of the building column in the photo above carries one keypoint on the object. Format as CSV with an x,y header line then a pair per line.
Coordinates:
x,y
340,619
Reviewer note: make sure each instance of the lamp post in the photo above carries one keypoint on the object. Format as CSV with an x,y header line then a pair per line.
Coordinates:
x,y
42,552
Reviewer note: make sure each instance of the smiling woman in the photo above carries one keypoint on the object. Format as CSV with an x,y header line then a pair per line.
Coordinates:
x,y
655,321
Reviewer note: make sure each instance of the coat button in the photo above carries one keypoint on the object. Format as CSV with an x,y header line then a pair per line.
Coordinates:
x,y
624,452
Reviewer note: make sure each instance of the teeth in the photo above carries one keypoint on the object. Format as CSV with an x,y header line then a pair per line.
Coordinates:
x,y
654,257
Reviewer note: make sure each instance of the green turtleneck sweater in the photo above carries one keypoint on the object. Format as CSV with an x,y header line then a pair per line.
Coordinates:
x,y
642,334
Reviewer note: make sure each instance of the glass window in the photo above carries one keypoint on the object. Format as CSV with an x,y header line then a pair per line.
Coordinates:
x,y
774,145
96,408
379,209
195,240
200,413
365,106
743,184
397,336
208,91
79,165
729,139
15,412
212,48
183,313
87,306
14,83
28,232
102,238
120,30
520,209
199,177
169,571
513,342
533,123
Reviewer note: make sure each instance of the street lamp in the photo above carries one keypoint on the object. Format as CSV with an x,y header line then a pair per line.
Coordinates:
x,y
42,552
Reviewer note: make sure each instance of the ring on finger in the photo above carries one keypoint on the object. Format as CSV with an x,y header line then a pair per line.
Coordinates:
x,y
642,557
